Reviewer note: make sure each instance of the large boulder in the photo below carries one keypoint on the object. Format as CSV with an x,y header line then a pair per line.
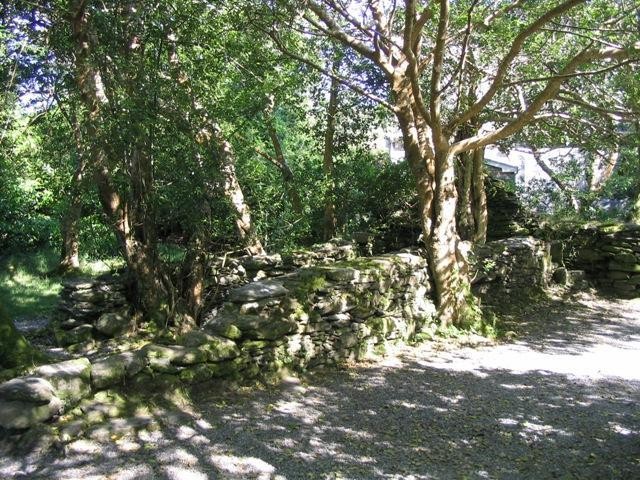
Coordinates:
x,y
113,324
27,401
71,379
20,414
27,389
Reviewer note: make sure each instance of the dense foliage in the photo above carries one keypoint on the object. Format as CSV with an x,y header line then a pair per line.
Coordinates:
x,y
129,126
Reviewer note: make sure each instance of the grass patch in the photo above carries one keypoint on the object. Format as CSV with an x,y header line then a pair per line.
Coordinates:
x,y
26,287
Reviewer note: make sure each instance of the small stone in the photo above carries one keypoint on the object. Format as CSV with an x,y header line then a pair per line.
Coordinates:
x,y
70,323
341,274
338,317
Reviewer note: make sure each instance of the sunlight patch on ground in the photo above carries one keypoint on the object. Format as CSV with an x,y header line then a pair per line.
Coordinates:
x,y
535,431
243,465
622,430
180,473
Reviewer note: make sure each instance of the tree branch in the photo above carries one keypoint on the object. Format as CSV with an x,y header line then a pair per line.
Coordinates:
x,y
359,90
436,75
513,52
549,92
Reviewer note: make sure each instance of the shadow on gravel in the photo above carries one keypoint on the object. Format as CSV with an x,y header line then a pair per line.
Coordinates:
x,y
408,422
461,414
574,327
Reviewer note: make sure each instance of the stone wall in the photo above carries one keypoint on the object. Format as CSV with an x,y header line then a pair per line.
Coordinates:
x,y
512,265
610,256
314,315
91,308
96,309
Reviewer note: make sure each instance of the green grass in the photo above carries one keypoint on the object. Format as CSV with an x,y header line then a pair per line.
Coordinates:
x,y
26,289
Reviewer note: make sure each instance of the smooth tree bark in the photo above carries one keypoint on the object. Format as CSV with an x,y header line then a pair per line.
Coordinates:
x,y
131,217
414,63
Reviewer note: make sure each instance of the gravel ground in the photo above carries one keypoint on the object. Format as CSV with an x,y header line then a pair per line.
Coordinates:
x,y
560,401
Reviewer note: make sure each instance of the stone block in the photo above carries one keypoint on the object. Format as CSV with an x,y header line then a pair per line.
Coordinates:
x,y
113,324
626,258
78,334
615,275
257,291
71,379
17,414
625,267
184,356
27,389
108,371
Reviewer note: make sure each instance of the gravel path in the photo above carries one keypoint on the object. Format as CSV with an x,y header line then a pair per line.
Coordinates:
x,y
561,401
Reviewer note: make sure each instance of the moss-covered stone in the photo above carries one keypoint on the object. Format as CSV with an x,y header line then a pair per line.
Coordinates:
x,y
71,379
79,334
15,350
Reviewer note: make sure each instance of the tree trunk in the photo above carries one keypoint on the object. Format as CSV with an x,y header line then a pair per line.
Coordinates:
x,y
434,174
70,248
479,204
192,276
133,224
448,256
209,134
328,168
70,254
634,212
281,163
464,176
232,190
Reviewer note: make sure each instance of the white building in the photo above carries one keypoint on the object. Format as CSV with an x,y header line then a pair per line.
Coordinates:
x,y
518,164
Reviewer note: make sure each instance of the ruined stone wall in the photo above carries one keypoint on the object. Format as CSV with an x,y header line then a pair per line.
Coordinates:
x,y
610,256
512,265
314,315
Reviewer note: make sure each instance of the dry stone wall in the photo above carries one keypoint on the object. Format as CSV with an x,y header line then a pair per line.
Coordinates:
x,y
610,256
518,264
314,315
91,308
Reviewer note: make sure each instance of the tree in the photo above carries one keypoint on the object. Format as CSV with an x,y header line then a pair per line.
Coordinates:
x,y
420,51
